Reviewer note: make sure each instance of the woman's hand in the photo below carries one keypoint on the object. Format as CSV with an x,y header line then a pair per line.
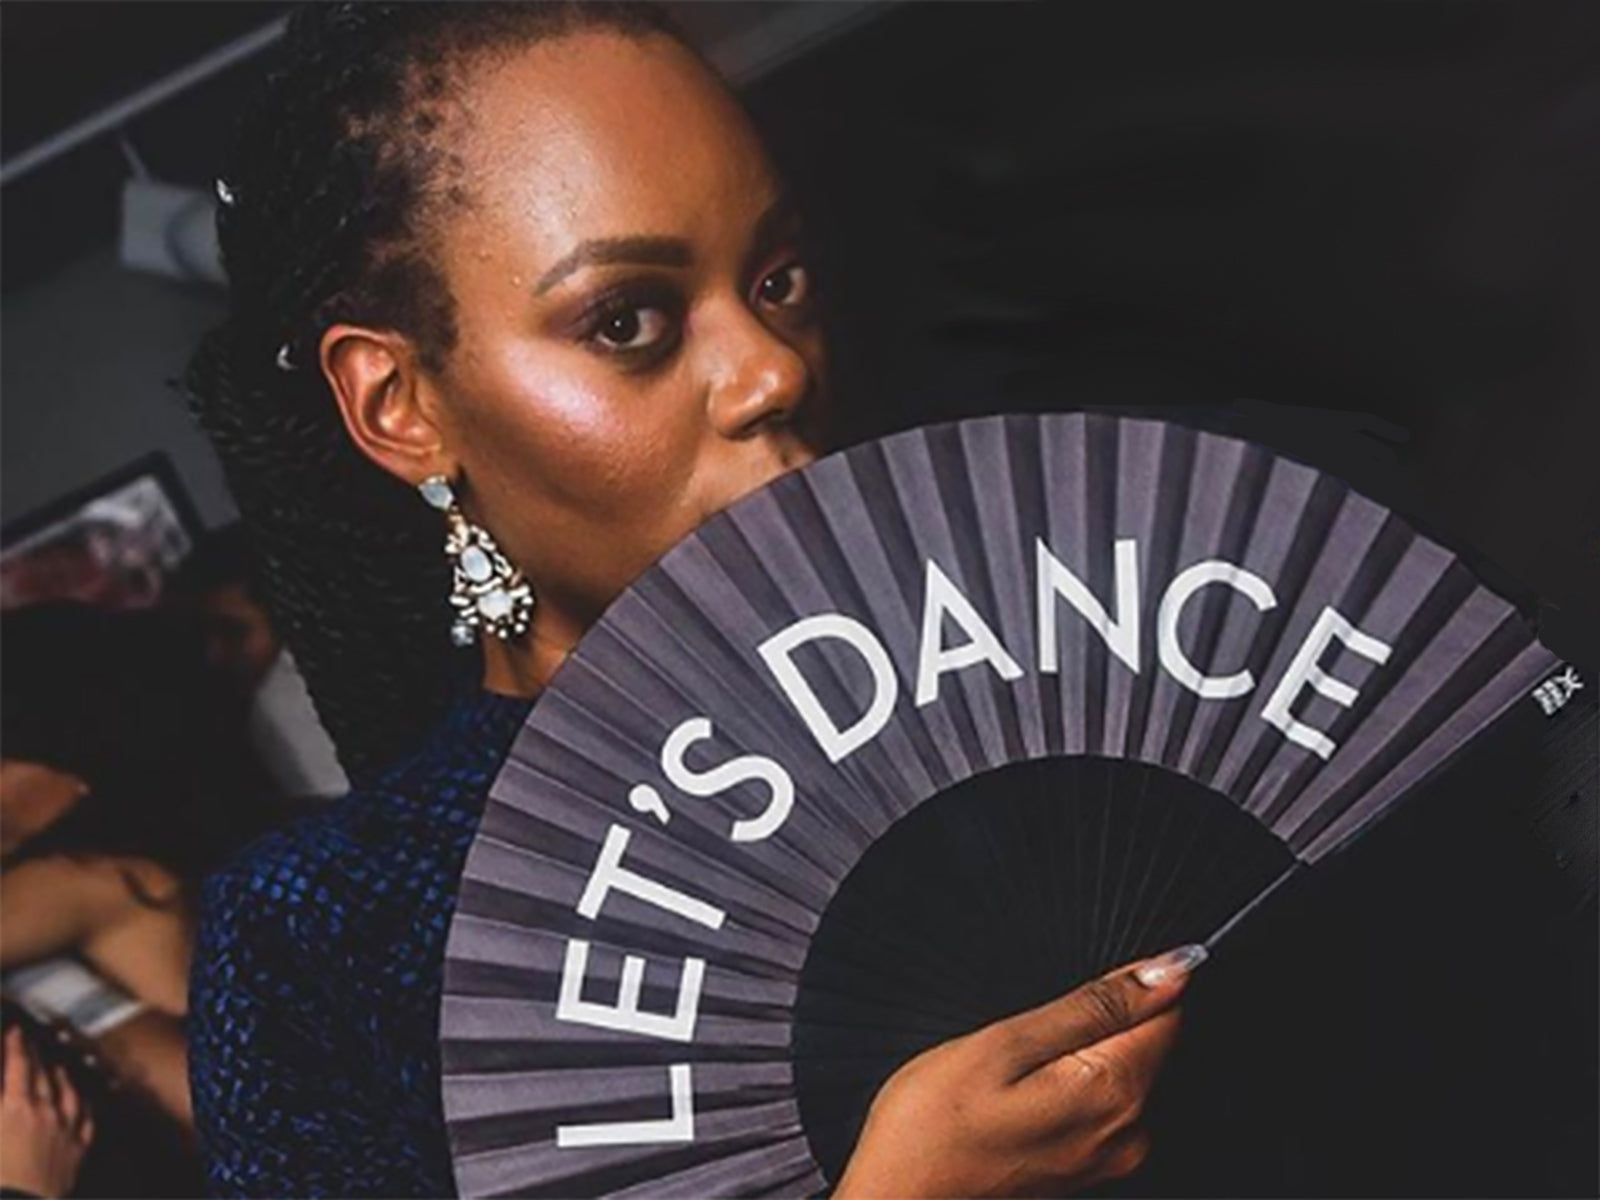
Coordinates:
x,y
44,1129
1041,1103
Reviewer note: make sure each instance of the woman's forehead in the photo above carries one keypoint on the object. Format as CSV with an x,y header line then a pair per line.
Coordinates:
x,y
603,135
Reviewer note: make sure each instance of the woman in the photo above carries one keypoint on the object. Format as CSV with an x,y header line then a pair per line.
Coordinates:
x,y
532,263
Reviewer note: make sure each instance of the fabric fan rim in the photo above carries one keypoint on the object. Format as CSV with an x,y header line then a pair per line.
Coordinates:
x,y
1229,422
1487,575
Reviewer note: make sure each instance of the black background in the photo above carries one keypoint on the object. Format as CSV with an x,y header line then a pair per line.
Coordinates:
x,y
1365,234
1414,1016
1373,224
1364,230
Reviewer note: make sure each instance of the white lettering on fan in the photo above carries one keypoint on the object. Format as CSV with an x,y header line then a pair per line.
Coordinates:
x,y
1304,672
679,1127
943,602
943,598
778,653
744,769
1185,585
626,1015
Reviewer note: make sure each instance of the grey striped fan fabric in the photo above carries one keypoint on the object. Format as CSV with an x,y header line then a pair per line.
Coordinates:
x,y
862,635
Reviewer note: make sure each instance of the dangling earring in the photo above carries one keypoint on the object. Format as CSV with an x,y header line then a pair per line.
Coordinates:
x,y
487,592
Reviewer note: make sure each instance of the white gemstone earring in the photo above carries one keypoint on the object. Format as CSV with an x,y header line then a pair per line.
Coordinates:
x,y
486,590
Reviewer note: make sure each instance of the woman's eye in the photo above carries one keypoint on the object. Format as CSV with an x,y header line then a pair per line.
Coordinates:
x,y
635,327
789,286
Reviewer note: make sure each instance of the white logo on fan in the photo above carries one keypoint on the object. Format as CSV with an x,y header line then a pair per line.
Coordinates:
x,y
1554,692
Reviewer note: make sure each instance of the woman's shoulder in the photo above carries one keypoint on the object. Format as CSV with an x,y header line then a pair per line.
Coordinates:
x,y
290,915
315,880
270,888
301,882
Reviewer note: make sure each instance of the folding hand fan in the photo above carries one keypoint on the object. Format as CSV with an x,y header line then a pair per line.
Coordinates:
x,y
909,740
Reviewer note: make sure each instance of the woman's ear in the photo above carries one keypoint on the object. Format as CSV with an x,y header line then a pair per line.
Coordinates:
x,y
384,402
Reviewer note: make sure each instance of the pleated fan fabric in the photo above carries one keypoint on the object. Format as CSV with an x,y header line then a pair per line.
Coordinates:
x,y
1091,682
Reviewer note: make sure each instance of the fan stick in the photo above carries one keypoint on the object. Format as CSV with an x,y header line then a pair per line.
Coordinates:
x,y
1254,903
1096,925
1154,924
1120,920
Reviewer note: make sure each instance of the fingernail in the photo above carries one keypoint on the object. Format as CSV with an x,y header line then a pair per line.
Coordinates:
x,y
1171,965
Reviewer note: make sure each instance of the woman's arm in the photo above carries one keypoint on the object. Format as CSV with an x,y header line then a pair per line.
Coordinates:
x,y
122,916
48,906
149,1054
140,1048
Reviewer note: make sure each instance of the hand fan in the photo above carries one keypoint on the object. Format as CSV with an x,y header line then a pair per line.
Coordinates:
x,y
911,739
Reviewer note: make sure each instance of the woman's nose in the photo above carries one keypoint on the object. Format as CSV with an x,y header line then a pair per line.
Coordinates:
x,y
760,380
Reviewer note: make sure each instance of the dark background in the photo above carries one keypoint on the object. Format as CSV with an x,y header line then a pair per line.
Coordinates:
x,y
1338,209
1377,216
1365,233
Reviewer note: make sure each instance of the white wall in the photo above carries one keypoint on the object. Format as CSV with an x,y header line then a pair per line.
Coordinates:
x,y
84,360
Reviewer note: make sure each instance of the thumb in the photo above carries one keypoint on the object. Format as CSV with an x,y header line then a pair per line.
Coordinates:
x,y
1099,1009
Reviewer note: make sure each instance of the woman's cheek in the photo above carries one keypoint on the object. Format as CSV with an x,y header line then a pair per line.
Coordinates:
x,y
546,432
642,445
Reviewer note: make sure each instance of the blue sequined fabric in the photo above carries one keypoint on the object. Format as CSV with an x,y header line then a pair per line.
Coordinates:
x,y
314,1004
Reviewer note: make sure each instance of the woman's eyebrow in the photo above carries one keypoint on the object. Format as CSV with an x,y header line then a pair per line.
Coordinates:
x,y
780,222
649,251
771,228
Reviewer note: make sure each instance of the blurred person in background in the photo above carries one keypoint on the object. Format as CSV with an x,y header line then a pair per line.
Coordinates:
x,y
45,1128
119,789
74,1121
216,584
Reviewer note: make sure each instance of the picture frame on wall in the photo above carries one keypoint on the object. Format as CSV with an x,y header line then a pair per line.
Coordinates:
x,y
112,543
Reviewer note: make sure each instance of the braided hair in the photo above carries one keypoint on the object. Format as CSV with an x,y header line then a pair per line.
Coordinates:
x,y
340,174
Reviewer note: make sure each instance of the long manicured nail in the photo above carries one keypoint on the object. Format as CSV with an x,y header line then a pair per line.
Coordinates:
x,y
1170,965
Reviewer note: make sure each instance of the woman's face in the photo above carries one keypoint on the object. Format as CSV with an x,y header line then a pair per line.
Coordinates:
x,y
639,343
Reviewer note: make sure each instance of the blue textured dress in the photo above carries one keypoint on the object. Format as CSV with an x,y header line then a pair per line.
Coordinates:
x,y
314,1004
